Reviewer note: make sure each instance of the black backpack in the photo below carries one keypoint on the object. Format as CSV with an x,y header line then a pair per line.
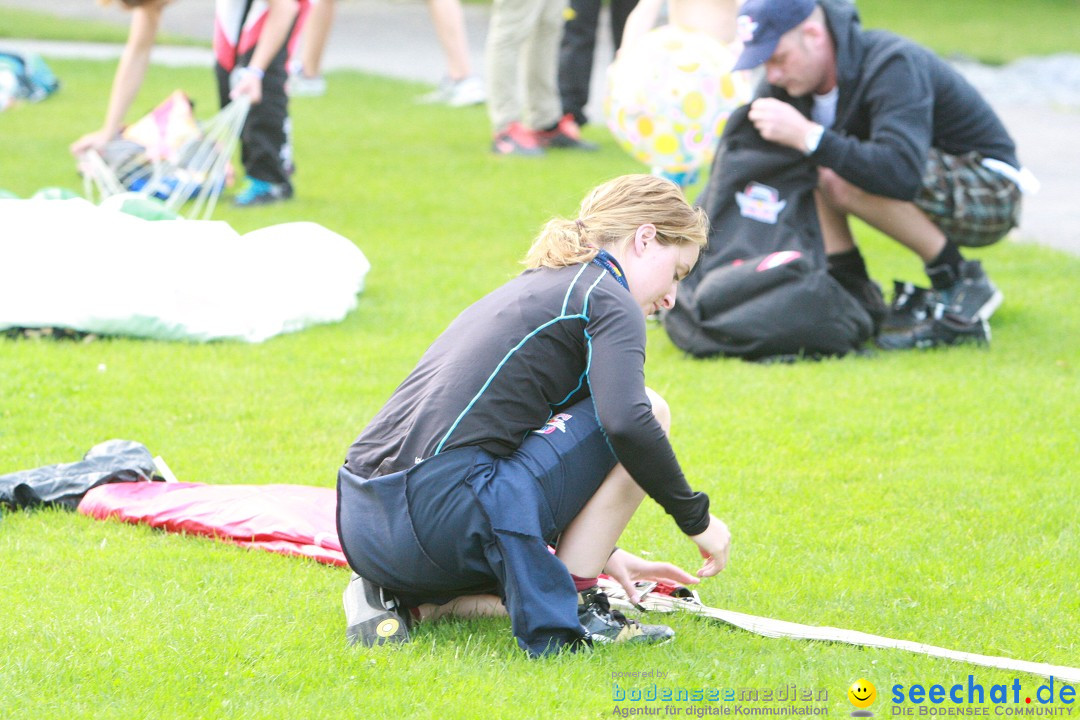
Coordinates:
x,y
762,287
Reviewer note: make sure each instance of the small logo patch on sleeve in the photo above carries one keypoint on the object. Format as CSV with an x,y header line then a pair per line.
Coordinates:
x,y
557,422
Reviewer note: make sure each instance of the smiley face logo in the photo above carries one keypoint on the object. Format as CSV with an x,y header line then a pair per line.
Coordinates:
x,y
862,693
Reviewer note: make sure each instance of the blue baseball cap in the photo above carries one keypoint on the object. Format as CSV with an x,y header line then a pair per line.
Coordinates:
x,y
760,25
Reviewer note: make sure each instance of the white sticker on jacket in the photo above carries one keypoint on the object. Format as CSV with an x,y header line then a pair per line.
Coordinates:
x,y
760,202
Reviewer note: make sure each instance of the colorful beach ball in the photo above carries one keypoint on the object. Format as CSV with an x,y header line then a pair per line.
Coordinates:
x,y
669,96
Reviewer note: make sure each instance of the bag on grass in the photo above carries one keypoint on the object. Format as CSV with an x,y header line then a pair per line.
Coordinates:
x,y
170,157
64,485
761,287
776,304
25,77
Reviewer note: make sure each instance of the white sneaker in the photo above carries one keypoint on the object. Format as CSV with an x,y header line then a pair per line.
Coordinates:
x,y
439,95
456,93
467,91
301,85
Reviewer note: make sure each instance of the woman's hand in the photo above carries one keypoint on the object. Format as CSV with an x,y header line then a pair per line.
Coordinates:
x,y
90,141
628,568
715,544
247,82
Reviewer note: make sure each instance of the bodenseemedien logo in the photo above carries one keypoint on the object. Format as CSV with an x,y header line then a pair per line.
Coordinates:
x,y
862,695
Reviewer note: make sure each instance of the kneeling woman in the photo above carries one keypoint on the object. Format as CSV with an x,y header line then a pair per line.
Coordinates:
x,y
527,424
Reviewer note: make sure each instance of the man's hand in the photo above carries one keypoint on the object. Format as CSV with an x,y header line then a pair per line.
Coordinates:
x,y
715,544
628,568
781,123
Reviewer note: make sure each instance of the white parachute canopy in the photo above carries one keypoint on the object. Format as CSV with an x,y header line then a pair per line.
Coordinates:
x,y
71,264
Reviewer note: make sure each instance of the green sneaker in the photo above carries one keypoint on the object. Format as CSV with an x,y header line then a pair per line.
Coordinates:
x,y
260,192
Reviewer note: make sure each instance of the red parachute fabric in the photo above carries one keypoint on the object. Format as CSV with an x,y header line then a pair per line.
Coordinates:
x,y
295,520
286,519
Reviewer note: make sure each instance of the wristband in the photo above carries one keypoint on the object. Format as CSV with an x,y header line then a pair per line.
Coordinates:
x,y
242,71
813,138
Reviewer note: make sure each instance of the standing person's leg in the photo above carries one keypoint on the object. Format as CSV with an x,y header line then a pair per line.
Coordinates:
x,y
266,142
553,129
576,57
222,77
449,21
314,36
620,10
459,88
511,24
306,45
541,53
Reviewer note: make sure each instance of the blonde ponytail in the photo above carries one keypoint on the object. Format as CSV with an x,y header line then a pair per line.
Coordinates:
x,y
562,242
611,213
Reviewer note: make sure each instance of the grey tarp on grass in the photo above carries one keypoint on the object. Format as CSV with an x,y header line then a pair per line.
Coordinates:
x,y
64,485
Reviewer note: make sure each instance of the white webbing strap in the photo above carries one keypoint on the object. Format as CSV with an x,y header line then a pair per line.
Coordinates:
x,y
782,629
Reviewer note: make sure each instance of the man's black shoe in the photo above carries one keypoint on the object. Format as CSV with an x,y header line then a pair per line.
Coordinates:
x,y
910,306
972,296
941,328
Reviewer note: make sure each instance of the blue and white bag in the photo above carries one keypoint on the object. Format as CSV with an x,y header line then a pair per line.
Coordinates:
x,y
32,78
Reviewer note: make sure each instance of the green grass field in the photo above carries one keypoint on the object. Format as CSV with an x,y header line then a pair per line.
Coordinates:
x,y
929,496
111,28
992,31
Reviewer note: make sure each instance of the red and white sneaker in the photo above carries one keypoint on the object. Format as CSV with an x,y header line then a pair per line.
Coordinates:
x,y
516,139
565,134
